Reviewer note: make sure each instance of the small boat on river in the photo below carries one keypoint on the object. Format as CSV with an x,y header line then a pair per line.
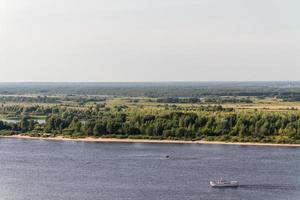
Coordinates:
x,y
224,183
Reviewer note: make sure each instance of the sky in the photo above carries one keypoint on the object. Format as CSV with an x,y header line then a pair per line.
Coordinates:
x,y
149,40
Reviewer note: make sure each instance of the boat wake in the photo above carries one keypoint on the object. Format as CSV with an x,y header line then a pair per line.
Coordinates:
x,y
269,187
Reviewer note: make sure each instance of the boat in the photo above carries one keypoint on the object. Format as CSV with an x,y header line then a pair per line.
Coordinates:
x,y
224,183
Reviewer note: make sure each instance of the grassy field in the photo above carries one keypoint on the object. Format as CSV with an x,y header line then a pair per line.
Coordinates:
x,y
267,104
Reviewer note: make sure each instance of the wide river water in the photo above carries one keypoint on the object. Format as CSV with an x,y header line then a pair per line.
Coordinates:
x,y
66,170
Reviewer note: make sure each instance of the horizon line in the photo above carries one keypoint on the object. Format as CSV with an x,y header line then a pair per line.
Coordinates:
x,y
212,81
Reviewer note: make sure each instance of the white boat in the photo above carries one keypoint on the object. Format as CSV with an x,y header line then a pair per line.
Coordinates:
x,y
223,183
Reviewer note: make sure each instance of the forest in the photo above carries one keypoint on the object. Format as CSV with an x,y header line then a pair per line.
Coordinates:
x,y
221,113
175,122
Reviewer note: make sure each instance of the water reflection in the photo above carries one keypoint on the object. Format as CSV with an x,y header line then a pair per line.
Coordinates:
x,y
14,121
269,187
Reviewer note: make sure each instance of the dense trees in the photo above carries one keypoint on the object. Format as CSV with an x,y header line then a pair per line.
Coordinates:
x,y
169,123
161,111
185,125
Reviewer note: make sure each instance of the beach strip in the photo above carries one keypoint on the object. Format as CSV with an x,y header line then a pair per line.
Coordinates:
x,y
116,140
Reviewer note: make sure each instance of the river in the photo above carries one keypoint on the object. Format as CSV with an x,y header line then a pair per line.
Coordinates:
x,y
68,170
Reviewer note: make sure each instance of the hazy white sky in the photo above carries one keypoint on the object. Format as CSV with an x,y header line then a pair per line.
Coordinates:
x,y
149,40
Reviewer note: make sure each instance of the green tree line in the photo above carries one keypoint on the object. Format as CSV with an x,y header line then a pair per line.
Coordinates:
x,y
171,123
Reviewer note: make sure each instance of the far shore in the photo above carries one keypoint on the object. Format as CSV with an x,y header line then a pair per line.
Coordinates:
x,y
116,140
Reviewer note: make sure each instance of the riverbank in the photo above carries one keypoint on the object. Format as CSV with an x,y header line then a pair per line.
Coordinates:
x,y
115,140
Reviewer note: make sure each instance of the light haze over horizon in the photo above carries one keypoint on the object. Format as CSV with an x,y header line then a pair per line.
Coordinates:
x,y
149,40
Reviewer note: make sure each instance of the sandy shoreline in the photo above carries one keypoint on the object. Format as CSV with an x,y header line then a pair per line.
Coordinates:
x,y
115,140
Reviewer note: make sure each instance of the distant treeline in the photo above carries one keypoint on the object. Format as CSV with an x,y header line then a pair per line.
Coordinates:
x,y
178,100
50,99
213,123
283,90
19,110
37,99
289,97
213,100
222,100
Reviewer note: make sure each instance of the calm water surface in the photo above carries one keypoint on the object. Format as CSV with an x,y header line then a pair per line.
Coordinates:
x,y
35,170
40,121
